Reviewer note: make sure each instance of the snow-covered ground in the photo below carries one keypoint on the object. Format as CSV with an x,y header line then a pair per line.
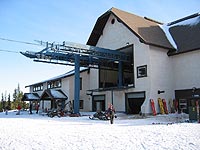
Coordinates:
x,y
27,132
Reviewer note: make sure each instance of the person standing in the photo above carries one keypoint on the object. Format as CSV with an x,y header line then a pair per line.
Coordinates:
x,y
30,107
7,108
37,107
18,108
111,112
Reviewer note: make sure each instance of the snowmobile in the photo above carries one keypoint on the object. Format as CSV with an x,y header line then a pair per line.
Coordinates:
x,y
54,112
104,116
100,115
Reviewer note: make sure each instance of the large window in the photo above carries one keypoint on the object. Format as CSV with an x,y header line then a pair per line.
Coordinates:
x,y
54,84
109,77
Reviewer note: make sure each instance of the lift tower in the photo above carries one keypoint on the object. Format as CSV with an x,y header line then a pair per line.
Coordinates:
x,y
78,55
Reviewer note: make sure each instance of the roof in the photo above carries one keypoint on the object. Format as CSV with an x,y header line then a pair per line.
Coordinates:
x,y
178,36
70,73
186,33
30,97
147,30
51,94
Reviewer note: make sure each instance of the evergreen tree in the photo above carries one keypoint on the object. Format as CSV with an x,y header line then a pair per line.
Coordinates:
x,y
15,95
9,102
2,98
17,98
5,96
1,103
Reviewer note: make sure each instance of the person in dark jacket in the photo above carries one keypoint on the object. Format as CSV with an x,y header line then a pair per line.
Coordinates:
x,y
111,113
37,107
30,107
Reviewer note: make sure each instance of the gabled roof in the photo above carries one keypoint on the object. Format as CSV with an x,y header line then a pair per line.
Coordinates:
x,y
51,94
186,33
30,97
147,30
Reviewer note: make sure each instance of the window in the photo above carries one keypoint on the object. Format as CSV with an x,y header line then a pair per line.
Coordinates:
x,y
113,21
81,83
142,71
54,84
38,87
81,104
109,75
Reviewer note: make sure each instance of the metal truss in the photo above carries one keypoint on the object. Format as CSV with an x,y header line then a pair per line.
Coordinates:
x,y
89,55
81,55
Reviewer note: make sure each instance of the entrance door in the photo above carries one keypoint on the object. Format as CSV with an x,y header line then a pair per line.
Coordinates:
x,y
134,102
98,103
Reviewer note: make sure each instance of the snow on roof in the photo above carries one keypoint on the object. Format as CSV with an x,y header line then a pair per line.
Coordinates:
x,y
53,94
60,76
187,21
30,97
57,94
71,72
165,28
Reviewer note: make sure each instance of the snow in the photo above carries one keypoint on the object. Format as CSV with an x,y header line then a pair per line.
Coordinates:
x,y
31,96
57,94
165,28
80,133
69,73
188,22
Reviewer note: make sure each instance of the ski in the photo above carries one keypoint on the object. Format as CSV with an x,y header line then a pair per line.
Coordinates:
x,y
153,107
165,106
161,106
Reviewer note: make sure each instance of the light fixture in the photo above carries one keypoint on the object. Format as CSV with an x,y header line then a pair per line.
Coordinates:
x,y
159,91
89,93
194,89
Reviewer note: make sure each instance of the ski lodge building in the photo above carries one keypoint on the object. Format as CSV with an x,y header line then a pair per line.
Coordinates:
x,y
165,64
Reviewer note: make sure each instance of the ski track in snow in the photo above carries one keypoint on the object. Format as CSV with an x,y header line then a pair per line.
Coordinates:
x,y
35,132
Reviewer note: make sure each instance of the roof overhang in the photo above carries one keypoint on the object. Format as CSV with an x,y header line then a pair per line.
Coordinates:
x,y
51,94
30,97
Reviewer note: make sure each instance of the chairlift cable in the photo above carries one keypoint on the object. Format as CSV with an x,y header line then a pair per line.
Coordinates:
x,y
8,51
23,42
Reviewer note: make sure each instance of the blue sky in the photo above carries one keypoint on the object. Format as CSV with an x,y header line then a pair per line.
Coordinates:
x,y
63,20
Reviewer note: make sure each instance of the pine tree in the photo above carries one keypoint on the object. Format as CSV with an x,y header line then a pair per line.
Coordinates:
x,y
15,95
1,103
9,102
17,98
5,96
2,98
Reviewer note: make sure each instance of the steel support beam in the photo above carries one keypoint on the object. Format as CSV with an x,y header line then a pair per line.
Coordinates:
x,y
120,74
77,84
